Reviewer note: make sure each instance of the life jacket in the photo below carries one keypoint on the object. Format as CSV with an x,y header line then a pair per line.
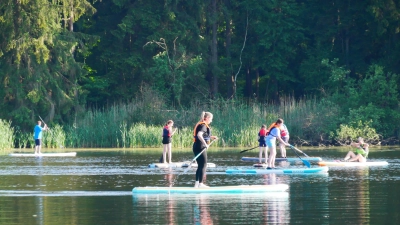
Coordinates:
x,y
166,132
262,133
362,151
195,138
270,128
283,131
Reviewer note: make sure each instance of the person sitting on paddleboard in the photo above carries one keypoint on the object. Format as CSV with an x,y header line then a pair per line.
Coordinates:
x,y
361,153
167,140
262,134
285,138
202,137
274,133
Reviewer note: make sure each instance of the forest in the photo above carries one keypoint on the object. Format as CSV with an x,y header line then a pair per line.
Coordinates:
x,y
329,68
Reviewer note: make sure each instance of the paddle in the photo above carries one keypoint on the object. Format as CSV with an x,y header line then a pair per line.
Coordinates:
x,y
307,163
44,122
248,149
300,151
190,165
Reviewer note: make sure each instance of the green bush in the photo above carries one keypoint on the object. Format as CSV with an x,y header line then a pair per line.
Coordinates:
x,y
350,132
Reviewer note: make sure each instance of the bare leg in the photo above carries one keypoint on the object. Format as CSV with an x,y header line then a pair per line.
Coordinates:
x,y
349,155
358,158
283,147
260,155
272,155
266,154
283,150
169,146
165,146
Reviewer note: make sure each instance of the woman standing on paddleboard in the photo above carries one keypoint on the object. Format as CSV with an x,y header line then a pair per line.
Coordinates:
x,y
201,138
273,134
167,140
361,152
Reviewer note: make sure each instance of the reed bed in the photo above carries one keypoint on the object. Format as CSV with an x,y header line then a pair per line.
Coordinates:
x,y
7,137
54,137
140,123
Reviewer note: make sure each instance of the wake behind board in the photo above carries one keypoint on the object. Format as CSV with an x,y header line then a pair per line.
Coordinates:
x,y
212,190
178,165
279,171
256,159
377,163
65,154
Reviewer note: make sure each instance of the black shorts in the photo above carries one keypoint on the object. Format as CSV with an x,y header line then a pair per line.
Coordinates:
x,y
166,140
262,144
38,142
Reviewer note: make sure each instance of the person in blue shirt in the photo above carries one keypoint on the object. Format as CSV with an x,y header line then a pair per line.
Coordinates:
x,y
38,136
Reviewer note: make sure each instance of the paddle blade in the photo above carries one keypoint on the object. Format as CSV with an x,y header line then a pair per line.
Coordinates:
x,y
307,163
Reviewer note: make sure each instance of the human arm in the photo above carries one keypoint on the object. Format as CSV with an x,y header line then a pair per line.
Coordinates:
x,y
200,137
173,132
282,141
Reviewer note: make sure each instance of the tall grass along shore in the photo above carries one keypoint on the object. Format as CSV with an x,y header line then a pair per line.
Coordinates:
x,y
139,124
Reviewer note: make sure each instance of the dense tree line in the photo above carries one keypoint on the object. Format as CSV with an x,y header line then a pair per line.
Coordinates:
x,y
58,57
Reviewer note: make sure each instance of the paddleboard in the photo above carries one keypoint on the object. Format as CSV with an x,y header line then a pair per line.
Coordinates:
x,y
43,154
178,165
377,163
256,159
279,171
219,189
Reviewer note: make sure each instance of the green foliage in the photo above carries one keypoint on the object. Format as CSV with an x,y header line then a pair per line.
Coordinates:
x,y
54,137
57,59
37,65
371,98
174,72
350,132
6,136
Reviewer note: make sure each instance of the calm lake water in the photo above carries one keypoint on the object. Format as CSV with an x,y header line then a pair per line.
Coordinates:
x,y
95,188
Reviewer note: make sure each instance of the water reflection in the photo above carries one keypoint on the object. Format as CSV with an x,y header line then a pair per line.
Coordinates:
x,y
354,195
213,208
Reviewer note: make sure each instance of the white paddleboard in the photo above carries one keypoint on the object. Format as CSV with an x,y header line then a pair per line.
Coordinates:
x,y
178,165
219,189
65,154
279,171
377,163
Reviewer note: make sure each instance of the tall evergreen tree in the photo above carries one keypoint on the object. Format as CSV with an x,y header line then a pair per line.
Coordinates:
x,y
38,71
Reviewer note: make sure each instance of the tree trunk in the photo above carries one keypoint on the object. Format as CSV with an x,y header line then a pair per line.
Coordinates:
x,y
249,90
228,41
214,50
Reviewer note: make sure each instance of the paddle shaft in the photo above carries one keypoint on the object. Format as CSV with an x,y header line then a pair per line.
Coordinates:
x,y
190,165
301,151
248,149
43,122
307,163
